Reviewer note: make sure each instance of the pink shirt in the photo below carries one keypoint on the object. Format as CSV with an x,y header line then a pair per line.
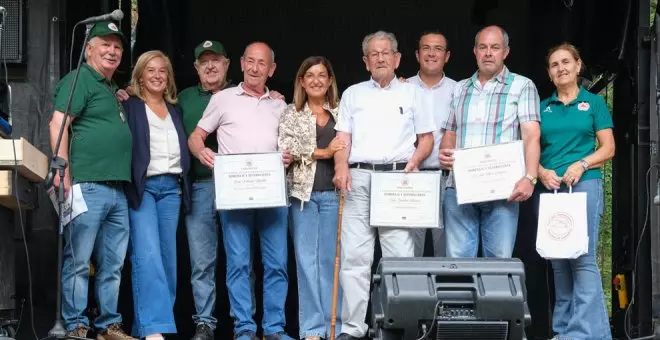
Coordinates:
x,y
244,123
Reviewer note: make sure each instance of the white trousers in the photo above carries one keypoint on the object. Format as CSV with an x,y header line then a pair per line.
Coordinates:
x,y
358,240
438,234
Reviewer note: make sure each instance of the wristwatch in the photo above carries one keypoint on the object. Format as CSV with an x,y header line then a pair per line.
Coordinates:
x,y
584,164
531,179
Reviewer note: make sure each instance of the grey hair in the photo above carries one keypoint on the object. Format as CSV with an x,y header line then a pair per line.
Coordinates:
x,y
380,35
504,34
272,52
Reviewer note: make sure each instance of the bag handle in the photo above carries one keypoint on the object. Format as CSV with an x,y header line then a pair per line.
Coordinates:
x,y
570,189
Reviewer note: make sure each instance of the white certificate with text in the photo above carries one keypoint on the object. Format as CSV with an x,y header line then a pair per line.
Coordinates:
x,y
488,173
405,200
246,181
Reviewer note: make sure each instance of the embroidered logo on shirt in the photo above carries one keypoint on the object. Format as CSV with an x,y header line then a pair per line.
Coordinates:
x,y
584,106
547,109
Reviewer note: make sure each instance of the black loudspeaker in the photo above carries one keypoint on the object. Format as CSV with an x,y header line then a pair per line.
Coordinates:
x,y
449,299
13,39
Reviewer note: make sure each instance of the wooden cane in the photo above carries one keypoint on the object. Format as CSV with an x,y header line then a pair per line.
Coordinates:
x,y
335,286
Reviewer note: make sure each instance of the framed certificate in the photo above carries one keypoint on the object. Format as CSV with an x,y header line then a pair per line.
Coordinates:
x,y
488,173
405,200
247,181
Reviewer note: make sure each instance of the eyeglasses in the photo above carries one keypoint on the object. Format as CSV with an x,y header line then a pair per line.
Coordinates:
x,y
386,54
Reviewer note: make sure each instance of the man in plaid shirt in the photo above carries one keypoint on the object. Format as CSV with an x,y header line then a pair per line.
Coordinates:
x,y
494,106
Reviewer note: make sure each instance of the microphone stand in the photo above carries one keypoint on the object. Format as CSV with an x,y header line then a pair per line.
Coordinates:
x,y
57,168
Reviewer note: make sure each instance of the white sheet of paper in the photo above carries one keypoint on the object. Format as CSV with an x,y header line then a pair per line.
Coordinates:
x,y
488,173
247,181
405,200
74,203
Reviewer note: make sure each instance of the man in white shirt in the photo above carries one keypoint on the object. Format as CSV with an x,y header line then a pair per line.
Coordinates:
x,y
379,121
432,55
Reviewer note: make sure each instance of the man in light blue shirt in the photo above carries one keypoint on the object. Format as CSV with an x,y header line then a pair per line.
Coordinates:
x,y
432,55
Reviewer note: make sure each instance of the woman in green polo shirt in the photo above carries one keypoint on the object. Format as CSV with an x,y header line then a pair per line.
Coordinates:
x,y
576,140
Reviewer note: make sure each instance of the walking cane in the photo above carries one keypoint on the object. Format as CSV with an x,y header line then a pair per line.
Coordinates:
x,y
335,286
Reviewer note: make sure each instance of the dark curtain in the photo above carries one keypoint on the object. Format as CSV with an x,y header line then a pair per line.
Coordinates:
x,y
295,29
335,29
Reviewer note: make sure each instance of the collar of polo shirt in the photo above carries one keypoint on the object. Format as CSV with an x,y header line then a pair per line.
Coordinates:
x,y
241,91
438,84
503,77
393,82
583,96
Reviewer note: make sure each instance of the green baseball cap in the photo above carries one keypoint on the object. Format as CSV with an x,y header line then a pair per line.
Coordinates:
x,y
211,46
105,28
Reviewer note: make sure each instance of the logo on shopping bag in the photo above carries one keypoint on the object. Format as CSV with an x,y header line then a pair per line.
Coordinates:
x,y
560,225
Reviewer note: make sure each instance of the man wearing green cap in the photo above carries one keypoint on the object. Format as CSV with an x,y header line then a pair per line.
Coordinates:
x,y
211,63
99,161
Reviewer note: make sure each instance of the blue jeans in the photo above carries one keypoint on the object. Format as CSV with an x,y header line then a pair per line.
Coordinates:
x,y
103,230
237,228
579,312
496,221
202,230
153,255
314,232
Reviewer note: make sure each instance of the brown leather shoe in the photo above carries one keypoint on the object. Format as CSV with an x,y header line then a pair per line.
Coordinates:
x,y
80,332
114,332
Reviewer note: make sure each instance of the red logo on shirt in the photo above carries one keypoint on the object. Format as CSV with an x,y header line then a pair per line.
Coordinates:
x,y
584,106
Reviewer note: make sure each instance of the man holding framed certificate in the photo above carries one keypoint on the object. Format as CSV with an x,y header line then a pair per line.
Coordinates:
x,y
379,122
490,113
250,189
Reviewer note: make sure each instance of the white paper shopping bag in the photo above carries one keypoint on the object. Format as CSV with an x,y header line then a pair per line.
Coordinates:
x,y
562,226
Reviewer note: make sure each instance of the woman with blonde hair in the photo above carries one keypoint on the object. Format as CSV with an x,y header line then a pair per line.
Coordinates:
x,y
160,164
307,131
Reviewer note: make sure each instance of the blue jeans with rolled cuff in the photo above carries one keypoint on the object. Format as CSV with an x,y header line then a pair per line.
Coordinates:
x,y
102,230
314,233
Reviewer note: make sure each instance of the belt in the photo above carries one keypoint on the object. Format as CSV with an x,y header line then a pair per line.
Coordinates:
x,y
378,167
111,183
178,177
445,172
204,179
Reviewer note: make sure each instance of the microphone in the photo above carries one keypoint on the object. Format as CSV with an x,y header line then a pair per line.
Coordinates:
x,y
116,15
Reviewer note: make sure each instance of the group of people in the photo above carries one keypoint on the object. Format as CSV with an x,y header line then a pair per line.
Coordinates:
x,y
144,156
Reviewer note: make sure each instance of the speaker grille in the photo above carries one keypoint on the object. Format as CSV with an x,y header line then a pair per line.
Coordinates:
x,y
472,330
12,33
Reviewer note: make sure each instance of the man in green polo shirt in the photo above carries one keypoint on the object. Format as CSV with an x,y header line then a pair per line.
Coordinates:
x,y
99,161
211,63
